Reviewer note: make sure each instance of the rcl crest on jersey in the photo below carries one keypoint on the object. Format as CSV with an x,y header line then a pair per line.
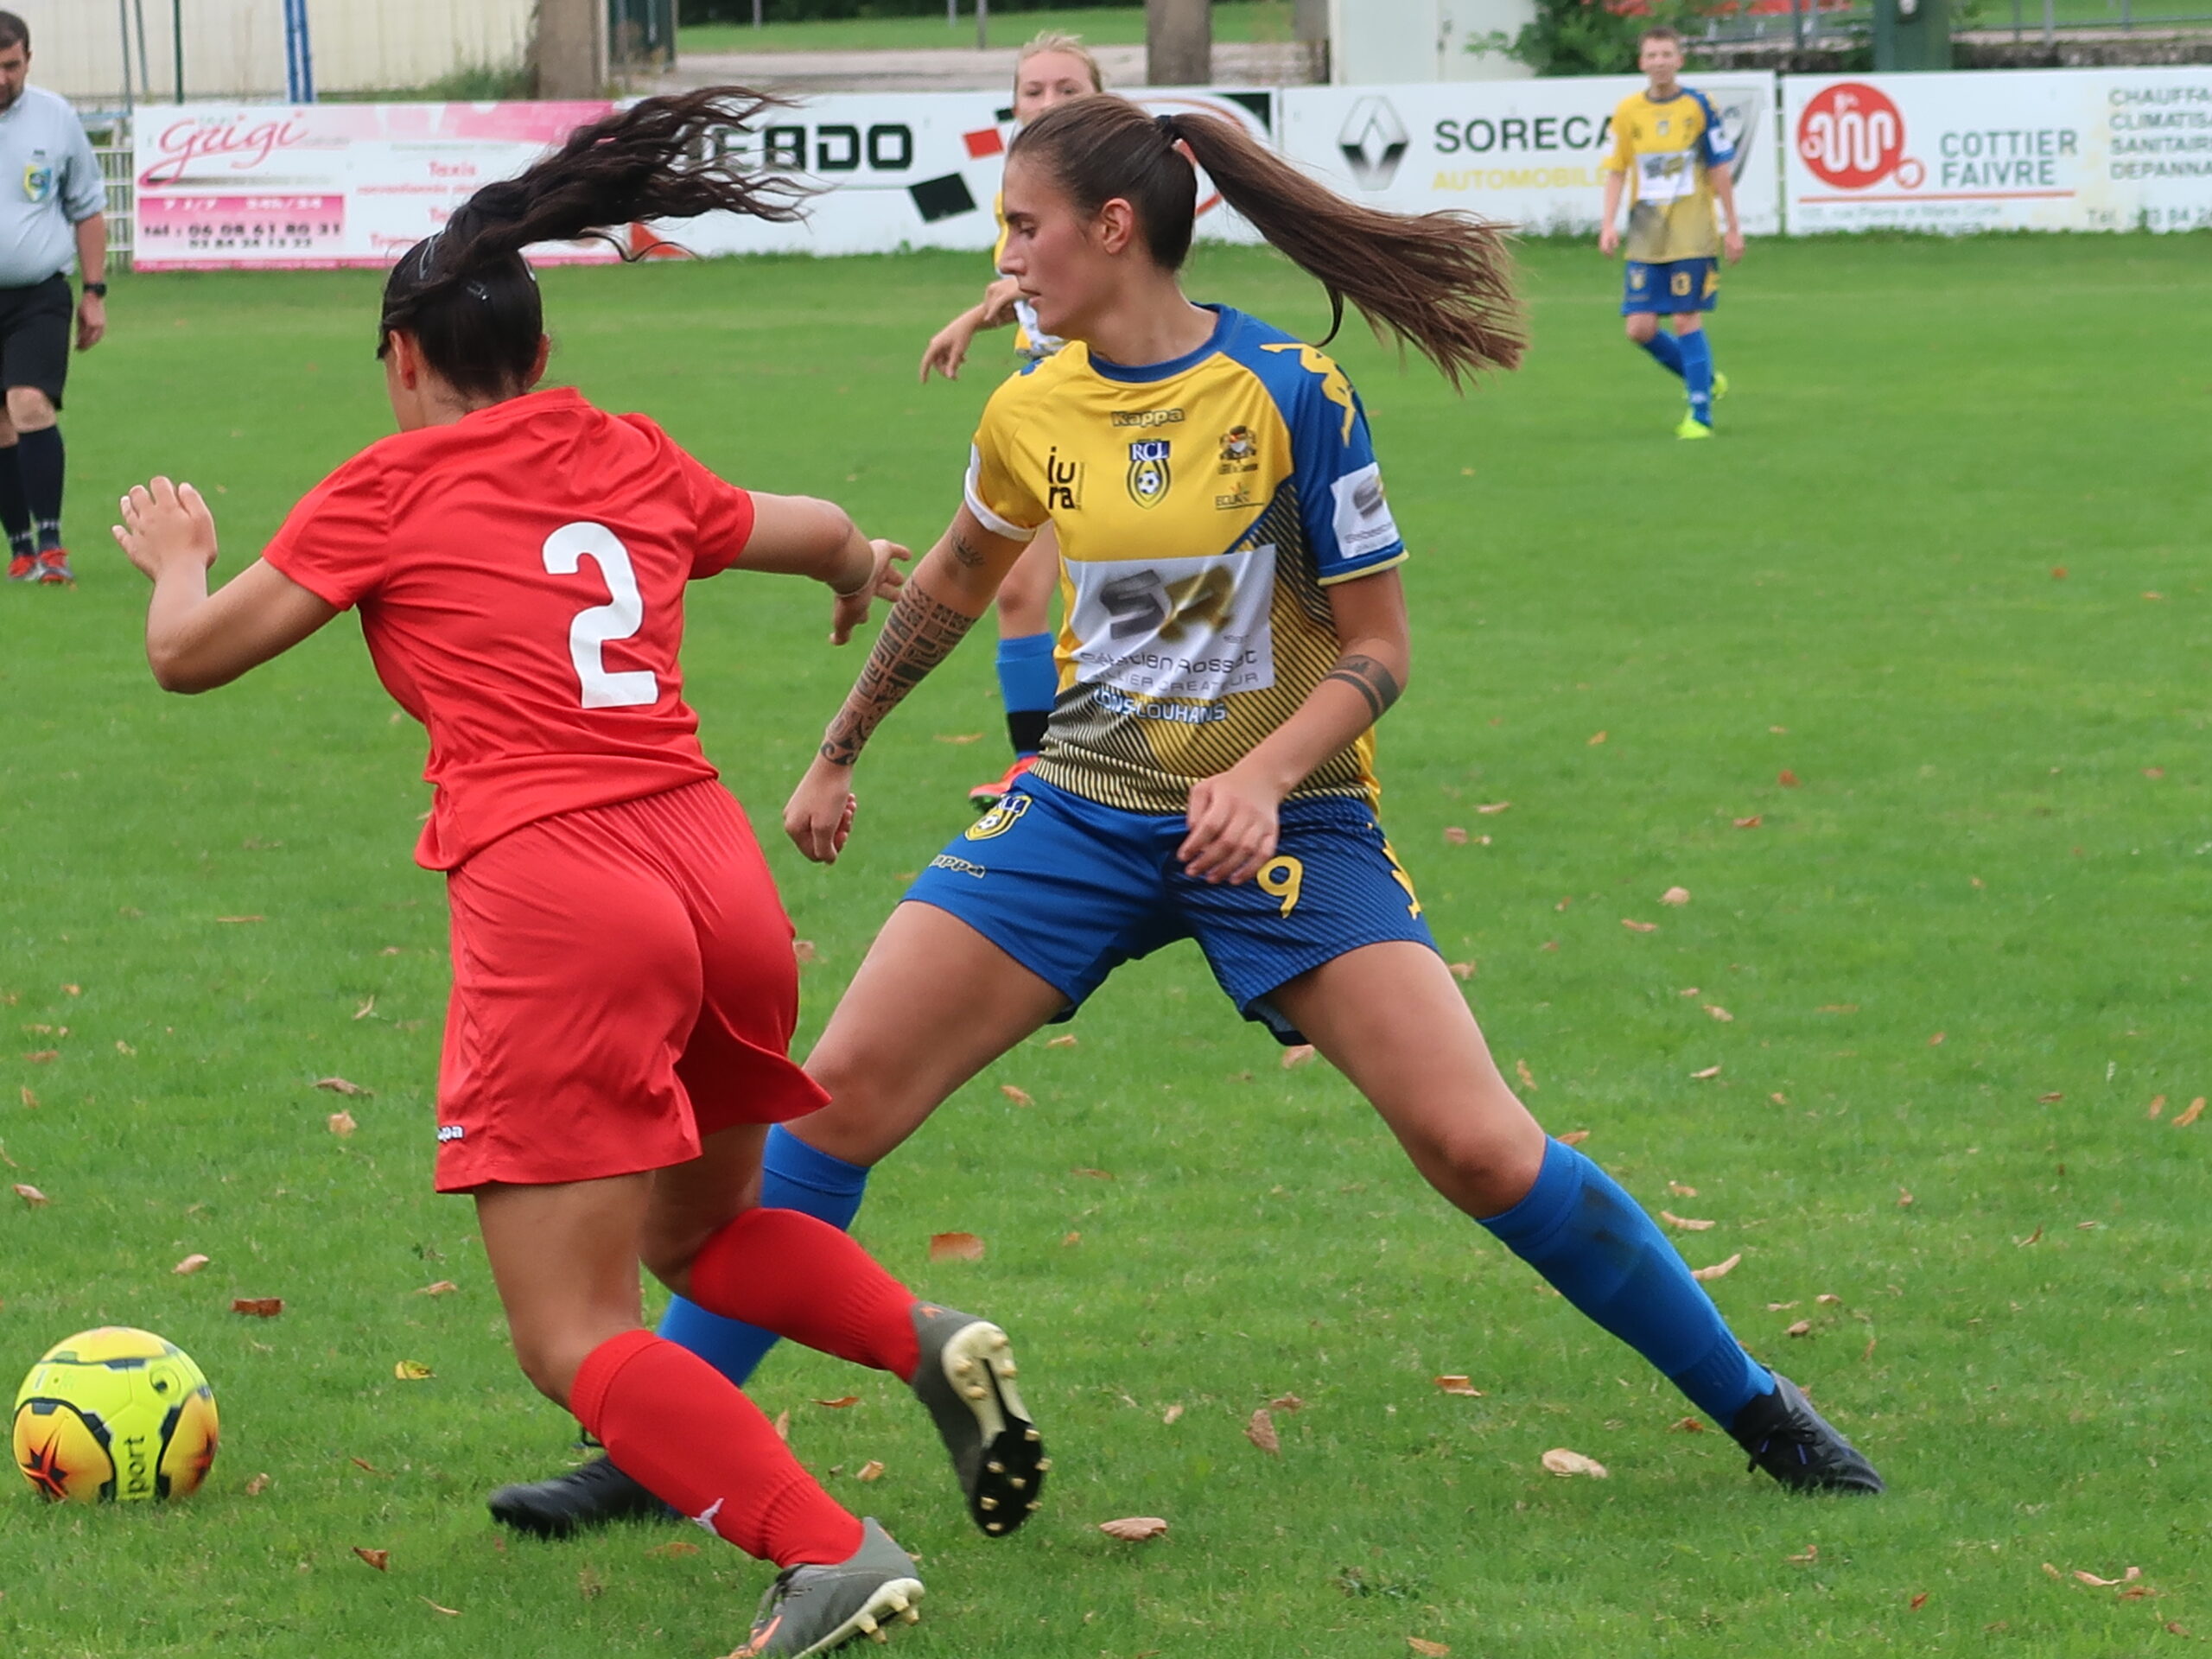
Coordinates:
x,y
1148,473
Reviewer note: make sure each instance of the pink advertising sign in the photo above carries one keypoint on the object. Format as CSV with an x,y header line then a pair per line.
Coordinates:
x,y
316,185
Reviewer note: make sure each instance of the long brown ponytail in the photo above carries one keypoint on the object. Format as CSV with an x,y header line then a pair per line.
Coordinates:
x,y
466,295
1442,281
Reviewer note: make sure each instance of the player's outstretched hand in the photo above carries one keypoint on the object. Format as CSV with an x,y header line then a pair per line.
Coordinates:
x,y
1609,240
850,610
819,816
164,525
948,348
1233,824
1732,244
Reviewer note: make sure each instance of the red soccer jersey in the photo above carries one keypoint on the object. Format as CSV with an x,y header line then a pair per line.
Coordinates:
x,y
520,579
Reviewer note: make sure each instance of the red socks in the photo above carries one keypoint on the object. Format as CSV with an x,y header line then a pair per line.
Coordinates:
x,y
678,1426
804,1279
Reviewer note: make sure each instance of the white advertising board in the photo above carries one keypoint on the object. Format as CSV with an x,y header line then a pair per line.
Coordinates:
x,y
917,169
320,185
1527,152
2036,149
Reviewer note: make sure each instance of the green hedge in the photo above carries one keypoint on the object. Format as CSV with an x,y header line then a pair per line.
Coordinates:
x,y
807,11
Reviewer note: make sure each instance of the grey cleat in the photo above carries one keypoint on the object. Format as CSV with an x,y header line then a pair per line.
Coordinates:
x,y
816,1609
1798,1447
966,1379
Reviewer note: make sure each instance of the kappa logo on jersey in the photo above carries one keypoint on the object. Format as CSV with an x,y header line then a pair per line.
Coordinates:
x,y
1062,483
452,1132
1000,819
1149,476
1147,417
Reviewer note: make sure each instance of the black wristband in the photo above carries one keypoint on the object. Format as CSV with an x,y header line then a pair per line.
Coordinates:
x,y
98,291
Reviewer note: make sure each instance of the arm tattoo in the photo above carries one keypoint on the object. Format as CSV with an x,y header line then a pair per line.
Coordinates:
x,y
965,554
1370,679
918,635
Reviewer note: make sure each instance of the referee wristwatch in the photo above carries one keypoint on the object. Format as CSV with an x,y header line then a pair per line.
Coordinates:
x,y
98,291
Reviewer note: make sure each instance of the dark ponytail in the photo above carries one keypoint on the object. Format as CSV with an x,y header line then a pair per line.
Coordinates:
x,y
1443,281
467,294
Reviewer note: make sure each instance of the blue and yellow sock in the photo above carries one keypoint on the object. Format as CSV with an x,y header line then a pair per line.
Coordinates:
x,y
794,1176
1697,372
1661,345
1580,1229
1028,681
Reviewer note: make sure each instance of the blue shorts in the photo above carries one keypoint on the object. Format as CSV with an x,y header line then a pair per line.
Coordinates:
x,y
1678,285
1071,890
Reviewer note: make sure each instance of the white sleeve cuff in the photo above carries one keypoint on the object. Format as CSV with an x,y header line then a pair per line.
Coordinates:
x,y
990,520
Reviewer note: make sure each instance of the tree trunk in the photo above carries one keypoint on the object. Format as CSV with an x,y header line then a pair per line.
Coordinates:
x,y
571,52
1179,43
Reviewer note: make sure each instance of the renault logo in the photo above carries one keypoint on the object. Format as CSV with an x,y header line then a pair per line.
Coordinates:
x,y
1373,141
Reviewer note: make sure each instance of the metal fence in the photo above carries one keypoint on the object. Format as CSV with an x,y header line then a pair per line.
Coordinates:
x,y
110,137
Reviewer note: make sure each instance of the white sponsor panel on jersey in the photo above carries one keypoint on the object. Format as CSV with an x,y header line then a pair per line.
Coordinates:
x,y
2033,150
1194,629
1529,153
1362,520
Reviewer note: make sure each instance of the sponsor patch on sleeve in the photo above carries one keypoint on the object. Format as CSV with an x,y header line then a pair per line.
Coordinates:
x,y
1364,524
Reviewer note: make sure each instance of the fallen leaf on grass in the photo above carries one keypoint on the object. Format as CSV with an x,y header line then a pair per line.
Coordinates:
x,y
2051,1099
450,1612
1751,823
2054,1571
1802,1328
366,1008
1720,1012
1918,1602
1635,926
590,1584
340,1086
1827,1299
1261,1431
1297,1054
1867,1352
1018,1096
342,1124
804,949
1780,1307
1462,970
411,1370
1286,1402
1812,1553
959,737
1595,738
1687,1426
1936,1041
2196,1110
43,1056
1134,1528
2022,1243
1574,1137
1687,1223
1560,1461
191,1263
2156,1108
1073,1238
257,1486
1709,1072
2086,1226
1681,1192
1718,1269
872,1470
122,1047
840,1404
1490,807
1454,836
1837,1007
1528,1078
1093,1175
379,1558
956,1247
363,1463
30,1195
443,1287
1430,1649
1786,777
1169,1416
783,1427
674,1549
241,918
1675,896
1904,1199
31,1101
2128,1577
1454,1383
259,1307
1060,1042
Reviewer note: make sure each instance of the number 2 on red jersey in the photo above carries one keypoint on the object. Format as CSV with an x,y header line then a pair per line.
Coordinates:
x,y
594,629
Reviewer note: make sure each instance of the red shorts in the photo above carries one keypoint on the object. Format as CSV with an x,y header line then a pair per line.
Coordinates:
x,y
623,984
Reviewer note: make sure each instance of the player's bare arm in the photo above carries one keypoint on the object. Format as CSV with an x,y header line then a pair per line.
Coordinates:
x,y
797,535
1723,192
1609,234
91,263
196,640
1234,815
953,586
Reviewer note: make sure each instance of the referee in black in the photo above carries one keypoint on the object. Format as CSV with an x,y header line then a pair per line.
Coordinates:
x,y
51,222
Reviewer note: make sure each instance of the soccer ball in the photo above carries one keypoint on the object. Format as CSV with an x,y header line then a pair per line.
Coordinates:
x,y
115,1415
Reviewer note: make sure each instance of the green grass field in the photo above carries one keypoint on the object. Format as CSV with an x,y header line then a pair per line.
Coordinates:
x,y
1943,567
1233,20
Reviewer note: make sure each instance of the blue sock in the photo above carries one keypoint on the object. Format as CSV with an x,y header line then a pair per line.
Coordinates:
x,y
1582,1232
1662,345
1028,681
794,1176
1697,372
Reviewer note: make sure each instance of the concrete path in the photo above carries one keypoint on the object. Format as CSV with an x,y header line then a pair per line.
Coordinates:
x,y
951,69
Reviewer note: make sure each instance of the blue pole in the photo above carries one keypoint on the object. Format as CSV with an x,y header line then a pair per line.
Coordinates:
x,y
299,55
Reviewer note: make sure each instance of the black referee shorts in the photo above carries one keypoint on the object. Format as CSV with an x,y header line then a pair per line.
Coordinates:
x,y
37,325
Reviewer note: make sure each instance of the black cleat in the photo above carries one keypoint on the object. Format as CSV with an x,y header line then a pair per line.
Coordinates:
x,y
814,1609
1798,1447
585,1497
966,1379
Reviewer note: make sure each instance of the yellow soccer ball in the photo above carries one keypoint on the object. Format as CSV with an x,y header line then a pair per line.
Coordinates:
x,y
115,1415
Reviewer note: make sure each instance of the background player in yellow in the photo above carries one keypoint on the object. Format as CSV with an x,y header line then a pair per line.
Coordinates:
x,y
1670,146
1052,68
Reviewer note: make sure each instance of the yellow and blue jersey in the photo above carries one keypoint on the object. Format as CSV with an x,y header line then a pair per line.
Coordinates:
x,y
1030,341
1203,507
1668,148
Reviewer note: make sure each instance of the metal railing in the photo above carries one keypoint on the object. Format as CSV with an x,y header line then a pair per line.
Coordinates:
x,y
111,138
